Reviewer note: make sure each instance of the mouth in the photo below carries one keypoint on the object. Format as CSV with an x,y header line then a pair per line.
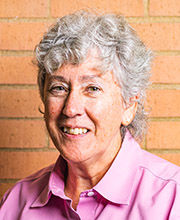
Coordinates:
x,y
74,131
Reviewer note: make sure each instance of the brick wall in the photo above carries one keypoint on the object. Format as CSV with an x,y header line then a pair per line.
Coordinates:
x,y
24,143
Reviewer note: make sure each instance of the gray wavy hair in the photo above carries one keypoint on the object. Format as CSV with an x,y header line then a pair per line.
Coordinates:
x,y
121,51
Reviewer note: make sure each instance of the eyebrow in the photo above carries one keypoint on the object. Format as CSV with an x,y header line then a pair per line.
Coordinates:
x,y
81,78
57,77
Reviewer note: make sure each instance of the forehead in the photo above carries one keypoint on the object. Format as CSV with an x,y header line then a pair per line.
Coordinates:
x,y
85,72
80,72
90,69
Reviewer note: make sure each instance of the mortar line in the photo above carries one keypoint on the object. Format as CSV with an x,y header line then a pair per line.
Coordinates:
x,y
146,8
8,180
153,19
21,53
145,142
165,119
134,19
164,151
38,149
167,53
164,86
27,19
19,86
49,10
18,53
47,140
22,118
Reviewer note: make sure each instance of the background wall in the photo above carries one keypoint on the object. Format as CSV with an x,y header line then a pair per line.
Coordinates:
x,y
24,143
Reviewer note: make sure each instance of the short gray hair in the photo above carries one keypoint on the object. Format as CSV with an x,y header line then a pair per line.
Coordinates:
x,y
121,51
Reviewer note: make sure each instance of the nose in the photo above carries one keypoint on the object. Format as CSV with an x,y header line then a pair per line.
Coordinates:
x,y
73,105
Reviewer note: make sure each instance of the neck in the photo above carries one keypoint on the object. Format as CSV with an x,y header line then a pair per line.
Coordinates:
x,y
86,174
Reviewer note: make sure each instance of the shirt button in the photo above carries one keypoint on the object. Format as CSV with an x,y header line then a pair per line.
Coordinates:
x,y
90,194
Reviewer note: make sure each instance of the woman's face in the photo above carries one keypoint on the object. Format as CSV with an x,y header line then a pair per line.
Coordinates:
x,y
83,112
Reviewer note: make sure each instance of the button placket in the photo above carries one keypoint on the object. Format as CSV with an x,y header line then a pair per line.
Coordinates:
x,y
90,194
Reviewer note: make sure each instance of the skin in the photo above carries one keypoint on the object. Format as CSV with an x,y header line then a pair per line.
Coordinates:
x,y
81,96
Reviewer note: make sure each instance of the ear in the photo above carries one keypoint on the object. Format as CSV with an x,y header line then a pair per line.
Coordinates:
x,y
129,113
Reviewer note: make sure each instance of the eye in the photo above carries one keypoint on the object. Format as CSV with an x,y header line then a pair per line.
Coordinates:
x,y
93,89
59,89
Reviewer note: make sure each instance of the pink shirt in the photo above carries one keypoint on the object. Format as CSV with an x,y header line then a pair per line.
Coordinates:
x,y
138,185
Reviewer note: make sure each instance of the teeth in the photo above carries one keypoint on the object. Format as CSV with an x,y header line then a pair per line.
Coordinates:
x,y
65,129
75,131
84,130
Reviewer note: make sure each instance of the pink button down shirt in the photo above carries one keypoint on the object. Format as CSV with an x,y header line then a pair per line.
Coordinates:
x,y
138,185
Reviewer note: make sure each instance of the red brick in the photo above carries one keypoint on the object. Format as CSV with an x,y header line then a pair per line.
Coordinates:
x,y
22,134
19,103
164,103
16,165
21,36
125,7
164,8
171,157
4,187
164,135
24,8
17,70
51,144
166,69
159,36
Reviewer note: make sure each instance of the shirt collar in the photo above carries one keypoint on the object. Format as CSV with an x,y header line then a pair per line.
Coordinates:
x,y
117,183
54,186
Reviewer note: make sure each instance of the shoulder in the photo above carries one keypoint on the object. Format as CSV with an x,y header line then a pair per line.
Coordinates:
x,y
157,186
26,190
160,168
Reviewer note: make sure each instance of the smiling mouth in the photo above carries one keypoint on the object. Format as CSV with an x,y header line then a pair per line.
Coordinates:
x,y
74,131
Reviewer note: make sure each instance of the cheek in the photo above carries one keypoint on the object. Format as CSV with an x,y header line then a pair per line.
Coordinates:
x,y
112,115
53,109
106,113
96,110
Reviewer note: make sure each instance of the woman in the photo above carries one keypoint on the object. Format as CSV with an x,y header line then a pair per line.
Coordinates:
x,y
93,72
